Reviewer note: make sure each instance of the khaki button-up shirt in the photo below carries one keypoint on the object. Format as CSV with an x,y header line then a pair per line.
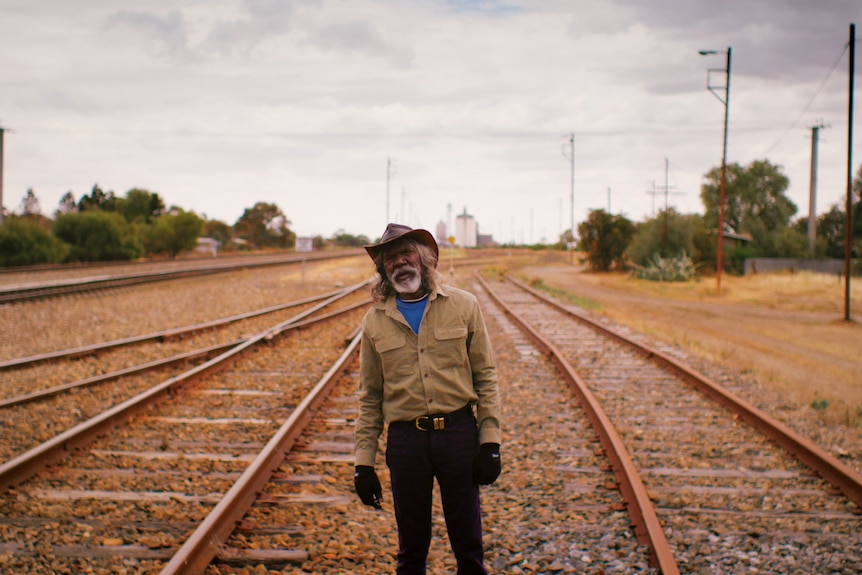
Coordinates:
x,y
404,375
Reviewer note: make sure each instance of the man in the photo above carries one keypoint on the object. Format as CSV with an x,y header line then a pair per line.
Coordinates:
x,y
425,362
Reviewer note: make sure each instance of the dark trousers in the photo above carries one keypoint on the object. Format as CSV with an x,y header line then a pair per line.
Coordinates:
x,y
415,458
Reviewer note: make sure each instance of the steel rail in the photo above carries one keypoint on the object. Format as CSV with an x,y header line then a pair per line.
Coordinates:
x,y
644,520
24,466
14,293
840,475
174,359
159,335
207,540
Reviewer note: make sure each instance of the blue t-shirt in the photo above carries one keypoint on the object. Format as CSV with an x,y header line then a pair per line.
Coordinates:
x,y
412,311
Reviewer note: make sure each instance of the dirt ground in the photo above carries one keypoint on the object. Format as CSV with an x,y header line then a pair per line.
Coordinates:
x,y
788,332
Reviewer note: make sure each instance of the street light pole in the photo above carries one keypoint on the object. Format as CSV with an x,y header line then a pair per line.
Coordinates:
x,y
721,202
572,158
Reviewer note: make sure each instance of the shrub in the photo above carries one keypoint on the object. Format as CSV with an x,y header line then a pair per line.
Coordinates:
x,y
673,269
24,242
171,234
97,236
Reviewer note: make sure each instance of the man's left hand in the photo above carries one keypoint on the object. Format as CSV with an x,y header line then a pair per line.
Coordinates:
x,y
486,466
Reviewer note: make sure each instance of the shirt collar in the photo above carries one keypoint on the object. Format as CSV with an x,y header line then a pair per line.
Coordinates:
x,y
390,302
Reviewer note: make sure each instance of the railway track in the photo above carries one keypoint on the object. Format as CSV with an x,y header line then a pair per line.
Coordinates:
x,y
232,476
27,291
729,497
143,476
126,367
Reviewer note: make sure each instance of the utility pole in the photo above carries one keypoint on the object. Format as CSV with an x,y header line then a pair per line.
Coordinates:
x,y
848,235
560,212
666,207
666,191
571,157
390,171
573,195
2,130
723,191
812,194
652,191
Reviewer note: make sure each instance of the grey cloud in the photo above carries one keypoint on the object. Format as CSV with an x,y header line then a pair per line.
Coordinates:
x,y
788,39
483,6
355,36
166,35
267,19
264,19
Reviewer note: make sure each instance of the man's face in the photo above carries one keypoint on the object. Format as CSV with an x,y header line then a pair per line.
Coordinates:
x,y
403,269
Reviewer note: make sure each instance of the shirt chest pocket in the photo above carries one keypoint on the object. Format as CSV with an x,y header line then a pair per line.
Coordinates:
x,y
397,359
450,346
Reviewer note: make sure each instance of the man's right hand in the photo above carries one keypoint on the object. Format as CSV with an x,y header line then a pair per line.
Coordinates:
x,y
367,486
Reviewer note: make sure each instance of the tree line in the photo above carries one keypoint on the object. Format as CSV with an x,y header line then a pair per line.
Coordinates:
x,y
103,226
758,216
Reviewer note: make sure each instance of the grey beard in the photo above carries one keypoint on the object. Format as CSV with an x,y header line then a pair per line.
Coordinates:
x,y
410,284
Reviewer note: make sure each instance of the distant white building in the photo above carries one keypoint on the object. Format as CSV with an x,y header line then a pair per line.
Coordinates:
x,y
466,230
442,234
208,246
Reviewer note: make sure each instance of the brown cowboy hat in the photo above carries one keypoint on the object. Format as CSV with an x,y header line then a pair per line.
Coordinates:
x,y
395,232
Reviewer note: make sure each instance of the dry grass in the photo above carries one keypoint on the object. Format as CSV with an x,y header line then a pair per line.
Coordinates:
x,y
786,329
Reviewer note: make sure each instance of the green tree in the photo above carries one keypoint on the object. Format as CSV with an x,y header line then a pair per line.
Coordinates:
x,y
172,233
30,204
566,238
856,217
30,209
217,230
97,200
832,225
830,228
666,235
265,225
755,200
342,238
605,237
67,204
23,241
786,242
140,206
97,236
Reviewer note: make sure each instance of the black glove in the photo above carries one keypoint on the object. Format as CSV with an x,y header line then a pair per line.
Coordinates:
x,y
486,466
367,486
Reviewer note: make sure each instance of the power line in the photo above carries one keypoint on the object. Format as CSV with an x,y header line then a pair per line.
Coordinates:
x,y
816,95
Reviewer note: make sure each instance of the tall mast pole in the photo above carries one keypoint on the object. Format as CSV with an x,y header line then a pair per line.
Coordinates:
x,y
1,173
848,236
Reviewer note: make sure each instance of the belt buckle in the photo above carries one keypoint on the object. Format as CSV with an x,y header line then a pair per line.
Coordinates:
x,y
438,423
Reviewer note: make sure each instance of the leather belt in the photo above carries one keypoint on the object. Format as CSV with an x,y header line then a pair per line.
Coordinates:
x,y
439,421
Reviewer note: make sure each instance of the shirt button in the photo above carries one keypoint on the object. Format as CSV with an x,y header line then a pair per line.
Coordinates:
x,y
430,400
425,375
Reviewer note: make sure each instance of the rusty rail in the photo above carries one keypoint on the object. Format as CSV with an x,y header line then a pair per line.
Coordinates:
x,y
207,540
641,511
845,479
24,292
20,468
159,335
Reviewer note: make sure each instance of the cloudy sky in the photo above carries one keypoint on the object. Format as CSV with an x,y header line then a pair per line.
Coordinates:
x,y
219,104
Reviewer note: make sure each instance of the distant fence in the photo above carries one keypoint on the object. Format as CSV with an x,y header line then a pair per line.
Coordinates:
x,y
766,265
